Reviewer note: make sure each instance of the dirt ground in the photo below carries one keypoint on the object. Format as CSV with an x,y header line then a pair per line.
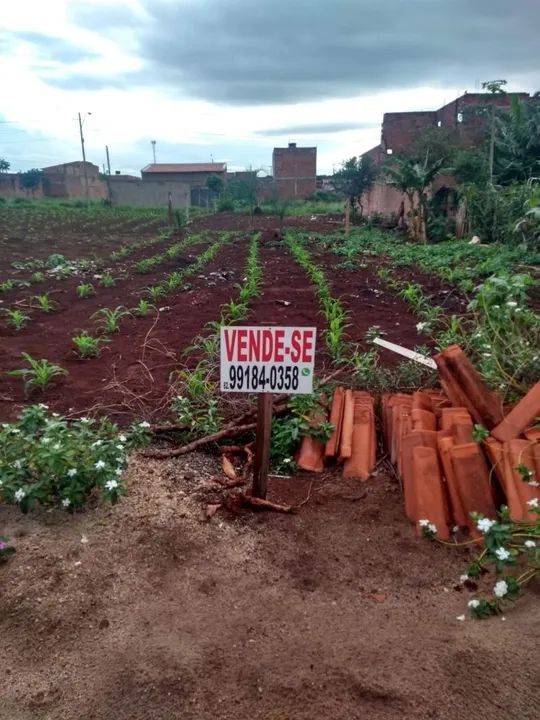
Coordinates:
x,y
144,611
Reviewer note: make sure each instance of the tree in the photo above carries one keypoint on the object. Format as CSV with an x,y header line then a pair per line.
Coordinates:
x,y
517,142
413,179
4,165
356,177
215,184
244,189
31,179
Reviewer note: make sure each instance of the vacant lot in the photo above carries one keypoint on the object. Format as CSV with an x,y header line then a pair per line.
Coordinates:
x,y
149,609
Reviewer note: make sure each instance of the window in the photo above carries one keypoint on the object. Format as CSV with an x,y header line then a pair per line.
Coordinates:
x,y
389,151
460,117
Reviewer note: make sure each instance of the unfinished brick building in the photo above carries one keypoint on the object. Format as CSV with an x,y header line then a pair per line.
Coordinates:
x,y
295,172
399,129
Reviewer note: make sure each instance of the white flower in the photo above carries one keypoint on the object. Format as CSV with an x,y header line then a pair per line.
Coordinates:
x,y
119,471
420,326
423,523
15,431
84,420
56,446
97,443
119,447
45,440
512,304
529,543
66,502
485,524
533,503
122,438
17,464
461,618
144,424
432,528
19,494
502,553
71,472
473,603
501,588
99,465
111,484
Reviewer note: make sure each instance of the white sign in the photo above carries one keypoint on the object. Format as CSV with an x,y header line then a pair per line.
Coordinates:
x,y
267,359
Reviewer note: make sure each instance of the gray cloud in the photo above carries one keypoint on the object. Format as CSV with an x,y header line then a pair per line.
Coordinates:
x,y
54,48
240,52
316,129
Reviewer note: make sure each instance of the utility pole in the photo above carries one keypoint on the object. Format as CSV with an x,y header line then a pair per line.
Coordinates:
x,y
84,158
108,160
154,149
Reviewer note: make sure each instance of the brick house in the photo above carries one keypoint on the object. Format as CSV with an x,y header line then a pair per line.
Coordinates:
x,y
399,129
69,181
295,171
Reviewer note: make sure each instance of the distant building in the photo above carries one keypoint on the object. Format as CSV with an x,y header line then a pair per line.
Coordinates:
x,y
295,172
194,175
69,181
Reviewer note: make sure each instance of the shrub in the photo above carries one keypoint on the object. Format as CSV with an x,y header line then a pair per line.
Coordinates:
x,y
47,461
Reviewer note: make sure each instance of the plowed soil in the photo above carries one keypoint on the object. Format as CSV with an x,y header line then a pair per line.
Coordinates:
x,y
150,611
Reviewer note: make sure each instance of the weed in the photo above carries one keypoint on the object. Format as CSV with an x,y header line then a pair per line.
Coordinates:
x,y
107,280
37,277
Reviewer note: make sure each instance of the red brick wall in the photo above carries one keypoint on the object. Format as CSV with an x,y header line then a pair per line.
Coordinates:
x,y
400,129
295,172
10,188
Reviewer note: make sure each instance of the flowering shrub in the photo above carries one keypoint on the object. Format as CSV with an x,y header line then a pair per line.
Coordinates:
x,y
512,549
46,460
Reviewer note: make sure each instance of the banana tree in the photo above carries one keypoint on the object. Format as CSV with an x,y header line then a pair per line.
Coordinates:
x,y
414,179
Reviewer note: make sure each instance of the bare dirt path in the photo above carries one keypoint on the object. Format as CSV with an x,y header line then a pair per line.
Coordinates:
x,y
143,611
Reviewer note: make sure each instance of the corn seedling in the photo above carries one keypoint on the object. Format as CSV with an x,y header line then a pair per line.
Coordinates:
x,y
38,375
84,290
16,319
110,319
107,280
44,303
143,308
154,292
6,285
37,277
87,345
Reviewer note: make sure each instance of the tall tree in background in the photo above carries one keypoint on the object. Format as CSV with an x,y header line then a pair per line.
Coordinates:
x,y
355,177
4,165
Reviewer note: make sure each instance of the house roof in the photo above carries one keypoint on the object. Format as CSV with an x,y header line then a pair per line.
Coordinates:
x,y
184,168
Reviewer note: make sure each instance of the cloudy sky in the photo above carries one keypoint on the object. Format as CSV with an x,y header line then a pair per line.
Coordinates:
x,y
229,79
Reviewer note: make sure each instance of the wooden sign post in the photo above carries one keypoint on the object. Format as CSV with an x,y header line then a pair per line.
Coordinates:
x,y
266,360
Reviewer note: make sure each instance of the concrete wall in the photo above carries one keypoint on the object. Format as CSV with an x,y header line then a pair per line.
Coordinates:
x,y
68,181
195,179
10,188
295,172
128,190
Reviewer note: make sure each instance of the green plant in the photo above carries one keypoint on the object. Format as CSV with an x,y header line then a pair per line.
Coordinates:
x,y
38,375
45,303
143,308
87,345
46,460
37,277
107,280
110,319
154,292
355,178
6,285
16,319
56,260
84,290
